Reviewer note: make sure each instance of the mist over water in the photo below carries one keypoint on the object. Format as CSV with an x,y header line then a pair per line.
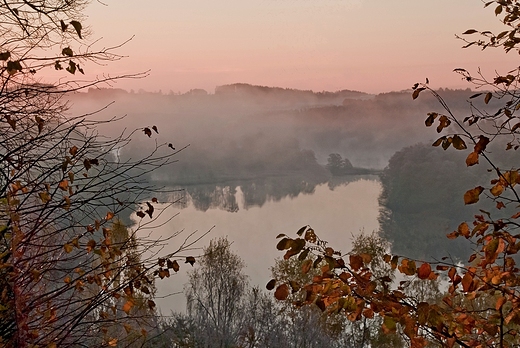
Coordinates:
x,y
336,215
251,162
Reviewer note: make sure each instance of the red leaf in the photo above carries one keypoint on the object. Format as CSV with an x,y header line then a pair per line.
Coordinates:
x,y
424,271
282,292
356,262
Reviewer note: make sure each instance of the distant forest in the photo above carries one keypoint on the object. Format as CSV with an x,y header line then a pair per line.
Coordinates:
x,y
275,142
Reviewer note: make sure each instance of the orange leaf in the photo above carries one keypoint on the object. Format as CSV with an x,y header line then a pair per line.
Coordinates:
x,y
472,159
467,280
68,248
64,185
497,189
73,150
481,144
500,302
472,196
128,306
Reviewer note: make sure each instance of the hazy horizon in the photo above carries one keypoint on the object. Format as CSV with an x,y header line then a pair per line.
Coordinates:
x,y
212,91
372,46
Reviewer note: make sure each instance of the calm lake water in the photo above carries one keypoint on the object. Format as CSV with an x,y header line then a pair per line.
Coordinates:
x,y
336,215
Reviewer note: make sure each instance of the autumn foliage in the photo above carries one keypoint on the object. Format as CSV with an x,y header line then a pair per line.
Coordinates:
x,y
480,306
71,272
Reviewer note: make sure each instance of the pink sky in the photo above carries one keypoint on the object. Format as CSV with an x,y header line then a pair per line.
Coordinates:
x,y
368,45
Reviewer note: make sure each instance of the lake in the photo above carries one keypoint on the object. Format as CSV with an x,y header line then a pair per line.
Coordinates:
x,y
336,212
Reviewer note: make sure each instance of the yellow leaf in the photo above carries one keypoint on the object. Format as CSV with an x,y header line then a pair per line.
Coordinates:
x,y
497,189
68,248
463,229
112,342
44,196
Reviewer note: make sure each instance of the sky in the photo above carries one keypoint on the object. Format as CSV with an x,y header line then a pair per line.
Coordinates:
x,y
368,45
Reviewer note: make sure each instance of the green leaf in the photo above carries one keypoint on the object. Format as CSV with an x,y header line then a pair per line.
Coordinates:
x,y
63,26
469,31
77,26
301,230
389,325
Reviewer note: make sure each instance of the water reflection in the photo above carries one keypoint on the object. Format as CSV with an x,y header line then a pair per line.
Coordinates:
x,y
254,193
337,215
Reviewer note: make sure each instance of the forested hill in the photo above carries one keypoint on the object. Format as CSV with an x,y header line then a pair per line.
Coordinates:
x,y
245,130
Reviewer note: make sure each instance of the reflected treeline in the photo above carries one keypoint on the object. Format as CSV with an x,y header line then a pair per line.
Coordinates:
x,y
337,181
230,196
422,199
